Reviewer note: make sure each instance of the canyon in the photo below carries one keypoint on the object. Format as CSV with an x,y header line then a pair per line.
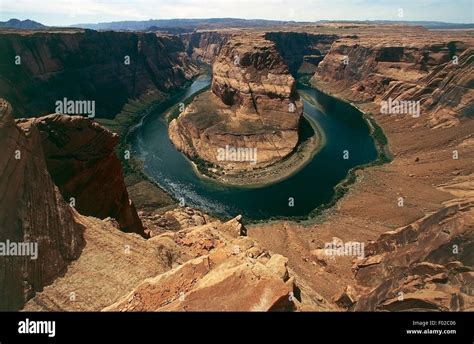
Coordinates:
x,y
106,67
414,213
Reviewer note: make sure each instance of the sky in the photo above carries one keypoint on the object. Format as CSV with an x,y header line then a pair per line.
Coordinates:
x,y
68,12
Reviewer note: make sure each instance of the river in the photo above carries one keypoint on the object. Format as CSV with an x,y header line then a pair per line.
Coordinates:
x,y
344,128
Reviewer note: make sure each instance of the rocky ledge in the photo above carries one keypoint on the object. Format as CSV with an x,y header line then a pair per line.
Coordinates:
x,y
192,269
250,118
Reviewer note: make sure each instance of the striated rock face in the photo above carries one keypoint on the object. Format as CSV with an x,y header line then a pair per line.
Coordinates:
x,y
253,105
89,65
426,265
301,51
32,211
437,74
205,46
81,159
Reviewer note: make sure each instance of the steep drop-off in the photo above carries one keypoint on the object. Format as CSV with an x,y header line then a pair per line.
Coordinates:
x,y
301,51
205,46
32,211
80,156
438,75
414,215
37,69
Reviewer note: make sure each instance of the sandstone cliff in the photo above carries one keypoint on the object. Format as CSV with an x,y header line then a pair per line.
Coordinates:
x,y
80,156
84,263
437,74
205,46
32,210
301,51
253,105
88,65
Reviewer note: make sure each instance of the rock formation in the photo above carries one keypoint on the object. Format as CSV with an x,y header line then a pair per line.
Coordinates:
x,y
156,222
410,261
436,74
425,265
80,156
301,51
191,269
205,46
109,264
417,256
253,106
224,261
32,211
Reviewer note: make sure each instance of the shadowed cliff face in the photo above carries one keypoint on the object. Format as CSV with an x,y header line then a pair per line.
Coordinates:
x,y
32,210
105,67
76,154
205,46
81,159
301,51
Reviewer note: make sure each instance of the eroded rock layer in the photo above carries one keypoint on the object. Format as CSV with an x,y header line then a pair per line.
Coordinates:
x,y
425,265
414,214
253,105
437,74
301,51
32,212
36,70
205,46
80,156
192,269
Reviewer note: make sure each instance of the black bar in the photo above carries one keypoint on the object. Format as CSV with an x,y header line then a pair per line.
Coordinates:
x,y
380,327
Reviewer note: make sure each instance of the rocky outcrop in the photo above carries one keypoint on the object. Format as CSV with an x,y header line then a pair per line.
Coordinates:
x,y
157,222
80,156
106,67
225,261
33,214
253,106
191,269
427,265
205,46
436,74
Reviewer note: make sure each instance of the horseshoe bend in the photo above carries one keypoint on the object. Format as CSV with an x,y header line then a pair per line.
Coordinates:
x,y
249,119
234,165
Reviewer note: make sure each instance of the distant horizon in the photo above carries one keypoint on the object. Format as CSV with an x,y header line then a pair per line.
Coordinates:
x,y
74,12
249,19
